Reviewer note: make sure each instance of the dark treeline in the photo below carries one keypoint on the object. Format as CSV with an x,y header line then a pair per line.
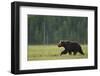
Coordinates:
x,y
52,29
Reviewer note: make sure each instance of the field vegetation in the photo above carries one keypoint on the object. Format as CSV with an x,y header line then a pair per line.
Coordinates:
x,y
52,52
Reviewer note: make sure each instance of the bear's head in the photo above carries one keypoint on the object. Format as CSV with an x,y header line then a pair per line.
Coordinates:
x,y
61,44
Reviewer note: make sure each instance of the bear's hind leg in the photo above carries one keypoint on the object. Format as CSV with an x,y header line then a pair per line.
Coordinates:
x,y
81,52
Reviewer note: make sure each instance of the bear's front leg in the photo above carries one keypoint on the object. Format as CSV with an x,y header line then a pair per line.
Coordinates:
x,y
63,52
74,53
70,52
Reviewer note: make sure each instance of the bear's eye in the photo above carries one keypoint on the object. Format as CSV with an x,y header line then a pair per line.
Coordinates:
x,y
62,42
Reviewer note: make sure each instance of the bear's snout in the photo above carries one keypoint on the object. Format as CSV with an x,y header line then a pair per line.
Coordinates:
x,y
59,45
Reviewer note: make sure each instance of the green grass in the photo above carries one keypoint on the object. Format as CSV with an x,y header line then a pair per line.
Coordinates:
x,y
52,52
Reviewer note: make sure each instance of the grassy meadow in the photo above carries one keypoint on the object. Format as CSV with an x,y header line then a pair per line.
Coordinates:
x,y
52,52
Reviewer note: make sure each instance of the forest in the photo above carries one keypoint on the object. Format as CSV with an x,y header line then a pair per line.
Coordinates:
x,y
43,29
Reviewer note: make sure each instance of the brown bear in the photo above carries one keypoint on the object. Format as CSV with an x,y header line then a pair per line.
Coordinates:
x,y
70,46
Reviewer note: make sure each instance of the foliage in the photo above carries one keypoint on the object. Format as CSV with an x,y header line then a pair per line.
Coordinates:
x,y
51,29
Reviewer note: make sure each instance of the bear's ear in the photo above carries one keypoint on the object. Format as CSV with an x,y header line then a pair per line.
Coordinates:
x,y
62,42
